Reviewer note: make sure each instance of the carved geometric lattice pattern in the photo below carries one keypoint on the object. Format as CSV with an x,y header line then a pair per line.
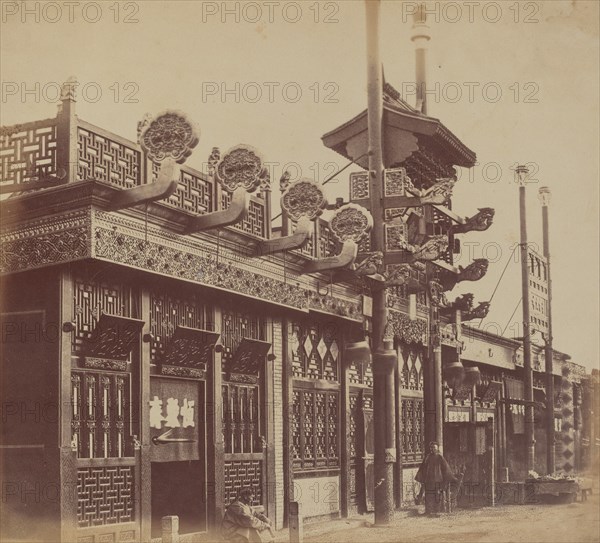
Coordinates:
x,y
167,312
243,473
411,375
315,430
105,495
328,245
315,351
234,327
101,414
412,430
352,423
241,418
193,194
107,160
254,223
91,299
361,373
28,152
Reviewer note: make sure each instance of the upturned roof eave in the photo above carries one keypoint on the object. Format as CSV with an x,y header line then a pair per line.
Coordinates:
x,y
414,122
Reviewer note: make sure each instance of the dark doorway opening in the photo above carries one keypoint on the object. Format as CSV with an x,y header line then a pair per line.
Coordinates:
x,y
178,489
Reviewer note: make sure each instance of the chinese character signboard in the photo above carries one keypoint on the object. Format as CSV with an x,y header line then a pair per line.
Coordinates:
x,y
176,420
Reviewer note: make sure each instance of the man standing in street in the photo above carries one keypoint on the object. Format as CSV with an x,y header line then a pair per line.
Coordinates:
x,y
434,475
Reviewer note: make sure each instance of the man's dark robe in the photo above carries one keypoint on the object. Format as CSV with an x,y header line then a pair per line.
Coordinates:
x,y
241,524
435,475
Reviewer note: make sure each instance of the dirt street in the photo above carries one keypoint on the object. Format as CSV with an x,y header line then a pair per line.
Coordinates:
x,y
565,523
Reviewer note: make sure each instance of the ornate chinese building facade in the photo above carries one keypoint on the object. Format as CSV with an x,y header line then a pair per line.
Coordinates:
x,y
163,346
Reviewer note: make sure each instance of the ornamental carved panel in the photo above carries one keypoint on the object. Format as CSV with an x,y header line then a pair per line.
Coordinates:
x,y
396,182
359,186
168,135
303,198
241,166
351,222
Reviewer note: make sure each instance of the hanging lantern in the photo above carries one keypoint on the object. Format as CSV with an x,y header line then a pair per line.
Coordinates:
x,y
358,351
472,377
453,373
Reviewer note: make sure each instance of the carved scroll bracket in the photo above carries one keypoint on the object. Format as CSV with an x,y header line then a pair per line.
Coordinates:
x,y
240,172
349,224
167,139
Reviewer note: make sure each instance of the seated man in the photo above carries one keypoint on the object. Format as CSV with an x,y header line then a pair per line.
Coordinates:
x,y
242,525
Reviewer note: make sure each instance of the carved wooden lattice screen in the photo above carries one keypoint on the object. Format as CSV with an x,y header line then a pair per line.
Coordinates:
x,y
167,312
315,359
28,152
412,430
360,377
254,223
101,415
107,159
242,411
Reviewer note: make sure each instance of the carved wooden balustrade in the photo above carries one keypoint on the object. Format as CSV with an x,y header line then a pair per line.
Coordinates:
x,y
43,150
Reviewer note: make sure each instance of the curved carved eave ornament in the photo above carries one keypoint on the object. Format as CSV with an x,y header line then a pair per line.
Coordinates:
x,y
168,138
479,222
240,171
303,201
350,223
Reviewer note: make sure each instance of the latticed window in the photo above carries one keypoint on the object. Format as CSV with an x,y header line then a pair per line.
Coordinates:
x,y
413,437
241,418
167,312
315,358
100,423
91,299
411,373
315,435
315,351
243,424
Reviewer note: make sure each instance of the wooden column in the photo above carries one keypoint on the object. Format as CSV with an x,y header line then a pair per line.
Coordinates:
x,y
287,399
68,457
140,378
215,449
343,436
399,475
269,475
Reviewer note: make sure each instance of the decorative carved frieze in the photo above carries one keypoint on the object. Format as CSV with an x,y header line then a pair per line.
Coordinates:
x,y
104,364
407,330
124,249
45,242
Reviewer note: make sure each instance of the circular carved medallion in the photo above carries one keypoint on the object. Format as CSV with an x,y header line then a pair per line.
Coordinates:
x,y
168,135
241,166
303,198
351,222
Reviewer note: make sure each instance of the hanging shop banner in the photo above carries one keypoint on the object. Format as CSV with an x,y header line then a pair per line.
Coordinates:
x,y
175,419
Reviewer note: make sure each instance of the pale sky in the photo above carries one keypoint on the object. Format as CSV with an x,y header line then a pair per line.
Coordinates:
x,y
517,82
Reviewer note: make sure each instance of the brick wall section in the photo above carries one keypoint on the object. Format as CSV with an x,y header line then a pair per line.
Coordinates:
x,y
278,419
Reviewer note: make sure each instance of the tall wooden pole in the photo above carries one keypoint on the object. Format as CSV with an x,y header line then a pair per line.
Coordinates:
x,y
382,378
544,194
528,377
